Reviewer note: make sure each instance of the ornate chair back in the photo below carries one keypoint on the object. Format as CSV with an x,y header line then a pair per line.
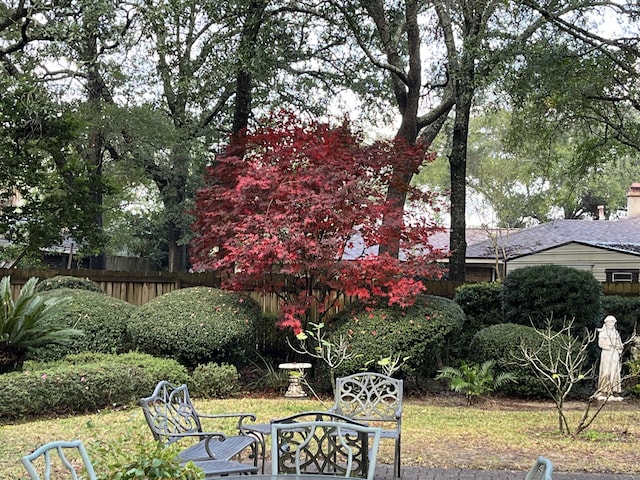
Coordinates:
x,y
373,398
169,411
55,458
324,448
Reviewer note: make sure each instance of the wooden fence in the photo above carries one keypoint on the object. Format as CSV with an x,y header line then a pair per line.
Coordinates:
x,y
138,288
622,289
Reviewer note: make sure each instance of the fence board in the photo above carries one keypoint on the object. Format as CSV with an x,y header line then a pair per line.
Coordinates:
x,y
623,289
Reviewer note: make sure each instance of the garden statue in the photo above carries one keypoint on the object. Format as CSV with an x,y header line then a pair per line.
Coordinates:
x,y
609,381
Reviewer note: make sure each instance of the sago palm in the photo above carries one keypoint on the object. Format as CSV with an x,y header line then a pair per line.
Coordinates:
x,y
28,322
475,380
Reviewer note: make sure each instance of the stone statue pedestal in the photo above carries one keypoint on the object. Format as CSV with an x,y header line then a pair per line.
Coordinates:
x,y
296,372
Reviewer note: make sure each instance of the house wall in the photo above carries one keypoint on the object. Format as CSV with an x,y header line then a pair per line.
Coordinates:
x,y
576,255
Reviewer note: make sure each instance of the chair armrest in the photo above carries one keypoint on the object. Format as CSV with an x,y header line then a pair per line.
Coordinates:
x,y
227,415
240,416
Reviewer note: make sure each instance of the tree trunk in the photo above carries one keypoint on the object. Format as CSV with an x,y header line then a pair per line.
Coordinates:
x,y
458,171
95,94
244,76
177,252
407,90
407,94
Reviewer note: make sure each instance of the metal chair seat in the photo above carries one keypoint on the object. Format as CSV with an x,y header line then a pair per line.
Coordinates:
x,y
222,450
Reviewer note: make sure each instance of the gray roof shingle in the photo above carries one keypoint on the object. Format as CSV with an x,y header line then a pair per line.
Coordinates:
x,y
619,234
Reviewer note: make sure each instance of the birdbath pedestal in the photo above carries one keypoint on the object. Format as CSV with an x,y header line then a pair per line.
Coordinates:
x,y
296,373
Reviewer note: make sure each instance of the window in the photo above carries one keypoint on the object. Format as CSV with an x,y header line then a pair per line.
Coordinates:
x,y
622,275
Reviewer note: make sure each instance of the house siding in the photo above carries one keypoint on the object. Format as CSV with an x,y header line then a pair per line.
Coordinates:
x,y
584,257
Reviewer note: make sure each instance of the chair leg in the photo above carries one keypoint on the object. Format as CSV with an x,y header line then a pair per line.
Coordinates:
x,y
396,472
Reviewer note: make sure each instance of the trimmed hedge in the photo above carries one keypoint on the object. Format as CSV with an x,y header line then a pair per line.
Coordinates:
x,y
195,326
482,305
65,281
531,295
627,313
102,318
84,383
214,381
422,332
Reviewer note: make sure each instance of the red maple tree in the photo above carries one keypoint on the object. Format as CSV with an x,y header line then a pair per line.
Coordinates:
x,y
295,209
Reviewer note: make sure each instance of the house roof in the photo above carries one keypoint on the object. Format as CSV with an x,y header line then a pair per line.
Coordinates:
x,y
623,235
627,249
473,235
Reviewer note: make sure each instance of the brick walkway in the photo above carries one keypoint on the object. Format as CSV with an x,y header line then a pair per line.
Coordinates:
x,y
384,472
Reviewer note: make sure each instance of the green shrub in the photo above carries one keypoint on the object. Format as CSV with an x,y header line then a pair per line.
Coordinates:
x,y
502,344
213,380
195,325
84,383
531,295
632,385
627,313
29,322
147,460
482,305
66,281
102,318
421,332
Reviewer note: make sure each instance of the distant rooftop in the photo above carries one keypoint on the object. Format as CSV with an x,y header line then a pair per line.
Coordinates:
x,y
621,234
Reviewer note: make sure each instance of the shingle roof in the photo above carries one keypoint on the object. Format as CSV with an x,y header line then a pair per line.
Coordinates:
x,y
620,234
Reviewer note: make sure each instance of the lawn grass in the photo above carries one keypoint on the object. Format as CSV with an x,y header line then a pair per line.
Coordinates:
x,y
503,434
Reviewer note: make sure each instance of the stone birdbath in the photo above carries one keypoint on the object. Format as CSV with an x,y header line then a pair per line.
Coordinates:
x,y
296,374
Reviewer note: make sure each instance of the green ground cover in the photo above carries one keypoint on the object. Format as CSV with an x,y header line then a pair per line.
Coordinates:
x,y
437,431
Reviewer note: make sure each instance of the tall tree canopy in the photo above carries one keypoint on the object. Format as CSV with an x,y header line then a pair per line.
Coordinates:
x,y
158,85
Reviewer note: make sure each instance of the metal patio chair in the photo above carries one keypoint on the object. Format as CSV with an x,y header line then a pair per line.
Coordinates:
x,y
376,399
322,447
53,457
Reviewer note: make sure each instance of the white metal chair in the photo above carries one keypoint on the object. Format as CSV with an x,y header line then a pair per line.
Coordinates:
x,y
324,448
54,457
373,398
542,470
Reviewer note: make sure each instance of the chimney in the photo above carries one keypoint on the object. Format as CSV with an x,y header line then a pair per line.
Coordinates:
x,y
633,200
601,212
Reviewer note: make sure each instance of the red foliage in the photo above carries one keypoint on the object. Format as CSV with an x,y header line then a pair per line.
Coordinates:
x,y
290,209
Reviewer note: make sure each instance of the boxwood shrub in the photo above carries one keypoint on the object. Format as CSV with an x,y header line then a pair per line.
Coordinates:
x,y
195,326
482,305
84,384
66,281
531,295
423,332
102,318
627,313
214,381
